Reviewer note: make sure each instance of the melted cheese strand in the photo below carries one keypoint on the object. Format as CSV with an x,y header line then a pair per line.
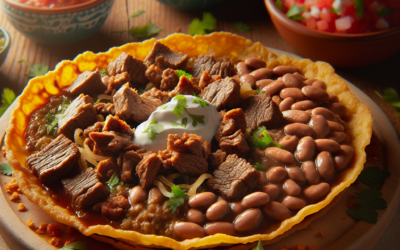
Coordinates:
x,y
162,189
199,181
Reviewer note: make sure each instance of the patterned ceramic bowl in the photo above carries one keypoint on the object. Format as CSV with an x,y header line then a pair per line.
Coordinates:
x,y
190,4
4,45
58,25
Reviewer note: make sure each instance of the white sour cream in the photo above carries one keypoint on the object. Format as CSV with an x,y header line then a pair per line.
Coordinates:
x,y
164,116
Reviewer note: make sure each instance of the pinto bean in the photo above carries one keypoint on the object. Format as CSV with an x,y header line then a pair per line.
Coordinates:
x,y
217,210
276,211
280,155
155,196
315,192
263,73
335,126
271,189
316,94
202,199
195,216
336,108
274,87
255,63
309,81
237,207
336,136
189,230
333,98
291,81
137,195
276,99
324,164
262,83
299,76
276,174
291,187
343,157
310,172
319,84
246,78
255,199
305,149
326,113
296,116
295,93
327,145
247,220
298,129
289,142
320,126
242,68
304,105
282,70
105,80
220,227
286,104
295,173
294,203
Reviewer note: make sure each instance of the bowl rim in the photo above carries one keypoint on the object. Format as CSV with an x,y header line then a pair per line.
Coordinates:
x,y
51,11
7,40
293,25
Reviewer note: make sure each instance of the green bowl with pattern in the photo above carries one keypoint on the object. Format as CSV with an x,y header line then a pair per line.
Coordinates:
x,y
5,42
58,26
190,4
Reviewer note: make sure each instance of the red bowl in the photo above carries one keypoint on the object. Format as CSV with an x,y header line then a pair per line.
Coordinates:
x,y
340,50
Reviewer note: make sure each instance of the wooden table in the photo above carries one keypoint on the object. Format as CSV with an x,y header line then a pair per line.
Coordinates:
x,y
252,12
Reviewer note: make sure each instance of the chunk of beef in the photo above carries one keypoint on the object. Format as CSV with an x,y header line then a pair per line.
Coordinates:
x,y
154,75
232,121
114,207
97,127
166,156
165,58
126,63
107,168
169,80
105,108
130,106
147,169
227,127
189,164
88,83
130,160
117,125
109,141
188,143
80,114
223,94
55,160
155,95
212,66
234,144
85,188
206,149
116,82
260,111
206,79
217,158
233,178
185,87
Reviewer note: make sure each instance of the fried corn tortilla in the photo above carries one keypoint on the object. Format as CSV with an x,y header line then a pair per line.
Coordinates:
x,y
221,45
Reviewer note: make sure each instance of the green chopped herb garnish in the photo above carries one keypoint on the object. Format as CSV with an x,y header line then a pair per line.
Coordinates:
x,y
204,26
154,129
182,124
7,99
241,26
258,166
200,101
295,12
37,69
332,10
261,139
390,95
259,92
141,91
103,72
382,11
54,115
183,73
278,4
113,181
373,176
359,6
145,31
139,13
177,191
164,107
6,169
196,118
259,246
76,245
175,201
180,106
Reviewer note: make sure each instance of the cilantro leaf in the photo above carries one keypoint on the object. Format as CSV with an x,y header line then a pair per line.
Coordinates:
x,y
359,6
6,169
365,213
259,92
113,181
258,166
37,69
141,91
183,124
7,99
173,203
76,245
295,12
196,118
183,73
259,246
180,106
332,10
54,115
261,139
138,13
200,101
390,95
201,27
382,11
177,191
103,72
145,31
154,129
373,176
278,4
242,27
164,107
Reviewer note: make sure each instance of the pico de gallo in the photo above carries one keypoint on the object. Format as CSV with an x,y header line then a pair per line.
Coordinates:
x,y
343,16
51,3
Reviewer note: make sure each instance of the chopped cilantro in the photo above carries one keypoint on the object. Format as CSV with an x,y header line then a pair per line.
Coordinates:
x,y
241,26
103,72
390,95
154,129
259,246
373,176
175,201
164,107
76,245
183,73
182,124
295,12
138,13
177,191
7,99
332,10
180,106
37,69
278,4
258,166
382,11
6,169
259,92
113,181
206,25
261,139
200,101
196,118
145,31
359,6
54,115
141,91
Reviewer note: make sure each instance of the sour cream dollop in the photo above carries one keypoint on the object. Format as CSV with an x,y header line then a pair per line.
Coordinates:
x,y
164,119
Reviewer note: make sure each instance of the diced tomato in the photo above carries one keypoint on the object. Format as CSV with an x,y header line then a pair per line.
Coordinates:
x,y
287,4
324,4
311,23
325,15
322,25
299,1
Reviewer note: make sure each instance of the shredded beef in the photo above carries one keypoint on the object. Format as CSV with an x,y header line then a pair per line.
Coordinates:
x,y
115,207
147,169
260,111
165,58
206,149
117,125
130,160
126,63
217,158
227,127
88,83
223,94
54,161
154,75
157,96
185,87
169,80
97,127
188,143
234,144
85,188
189,164
116,82
206,79
109,141
107,168
212,66
105,108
